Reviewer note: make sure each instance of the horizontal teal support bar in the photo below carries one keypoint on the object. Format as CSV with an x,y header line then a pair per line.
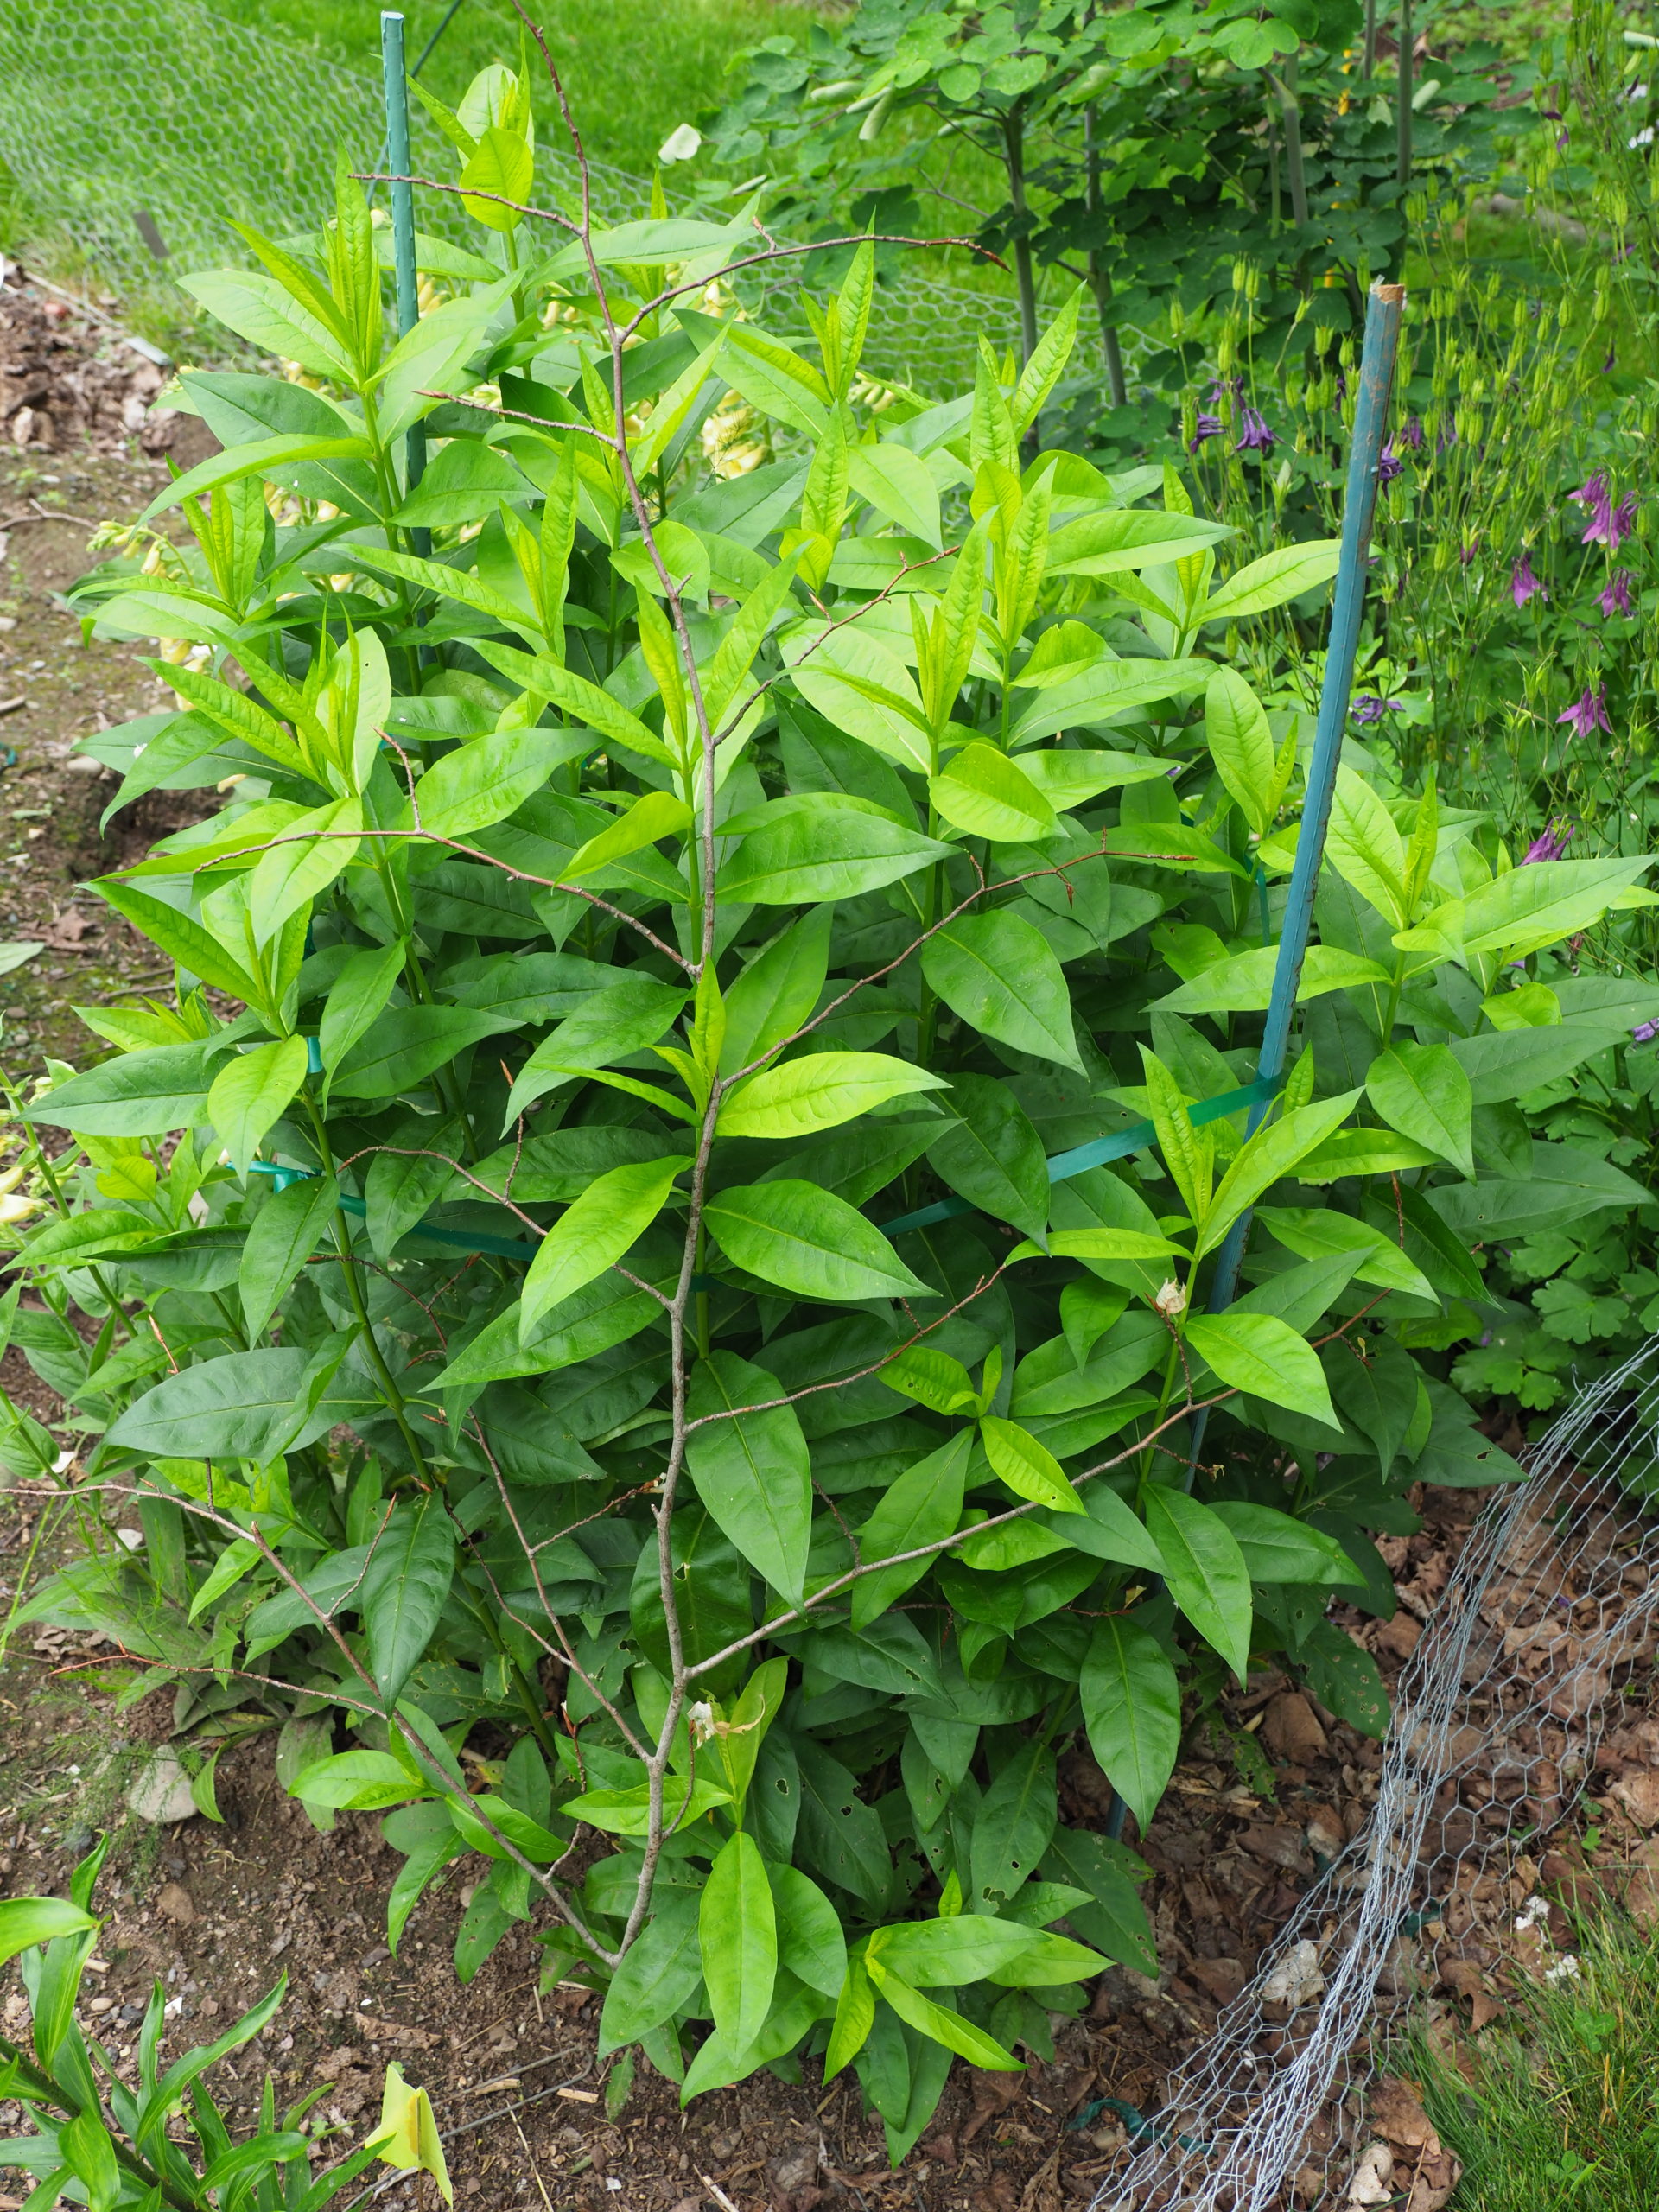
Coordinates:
x,y
1062,1167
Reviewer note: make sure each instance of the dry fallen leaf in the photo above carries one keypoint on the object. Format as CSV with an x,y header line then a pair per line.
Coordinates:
x,y
1373,2179
1639,1795
1431,2185
1463,1976
1397,2111
1296,1979
1290,1730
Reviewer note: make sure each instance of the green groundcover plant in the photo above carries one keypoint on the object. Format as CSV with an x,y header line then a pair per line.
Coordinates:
x,y
108,2134
670,1322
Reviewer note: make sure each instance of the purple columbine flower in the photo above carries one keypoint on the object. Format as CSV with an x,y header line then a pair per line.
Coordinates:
x,y
1602,528
1588,714
1610,525
1367,708
1254,435
1206,426
1388,466
1523,585
1644,1032
1466,553
1412,435
1614,598
1549,844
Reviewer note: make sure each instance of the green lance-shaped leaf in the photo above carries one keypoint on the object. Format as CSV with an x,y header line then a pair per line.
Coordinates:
x,y
737,1929
1204,1569
807,1241
1132,1710
657,814
604,1026
1523,911
356,999
933,1378
244,1405
135,1094
922,1507
985,794
1275,1151
293,873
404,1585
820,845
989,1150
1189,1151
1240,745
748,1719
998,973
1365,848
252,1092
1313,1232
1274,580
87,2148
27,1921
1279,1549
484,782
657,1977
941,2024
284,1234
1015,1821
1259,1353
752,1471
811,1944
182,940
854,2016
627,1812
1028,1468
1423,1092
594,1233
777,992
1244,983
819,1092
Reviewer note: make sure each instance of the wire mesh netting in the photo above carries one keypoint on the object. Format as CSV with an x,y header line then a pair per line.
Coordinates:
x,y
133,132
1517,1678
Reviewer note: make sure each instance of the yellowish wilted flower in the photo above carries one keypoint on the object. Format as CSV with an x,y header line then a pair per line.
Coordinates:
x,y
734,438
285,510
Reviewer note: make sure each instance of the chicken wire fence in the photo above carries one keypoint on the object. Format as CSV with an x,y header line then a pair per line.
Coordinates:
x,y
1498,1714
133,132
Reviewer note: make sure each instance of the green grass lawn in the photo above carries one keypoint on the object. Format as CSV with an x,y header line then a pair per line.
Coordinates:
x,y
634,68
1560,2104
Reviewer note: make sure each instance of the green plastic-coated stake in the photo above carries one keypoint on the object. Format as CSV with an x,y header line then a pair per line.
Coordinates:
x,y
403,232
1384,311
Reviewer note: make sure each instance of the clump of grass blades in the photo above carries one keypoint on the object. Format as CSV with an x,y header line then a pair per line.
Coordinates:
x,y
1558,2105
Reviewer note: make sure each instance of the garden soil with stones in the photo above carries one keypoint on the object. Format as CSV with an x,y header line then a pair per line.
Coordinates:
x,y
216,1911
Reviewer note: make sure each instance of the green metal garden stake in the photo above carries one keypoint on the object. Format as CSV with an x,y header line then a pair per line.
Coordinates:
x,y
403,232
1384,310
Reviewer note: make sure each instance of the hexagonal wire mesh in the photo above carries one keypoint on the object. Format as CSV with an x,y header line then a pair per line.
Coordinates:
x,y
133,133
1498,1713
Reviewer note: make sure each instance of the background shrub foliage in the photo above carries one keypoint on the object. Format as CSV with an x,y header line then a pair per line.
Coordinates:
x,y
644,885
